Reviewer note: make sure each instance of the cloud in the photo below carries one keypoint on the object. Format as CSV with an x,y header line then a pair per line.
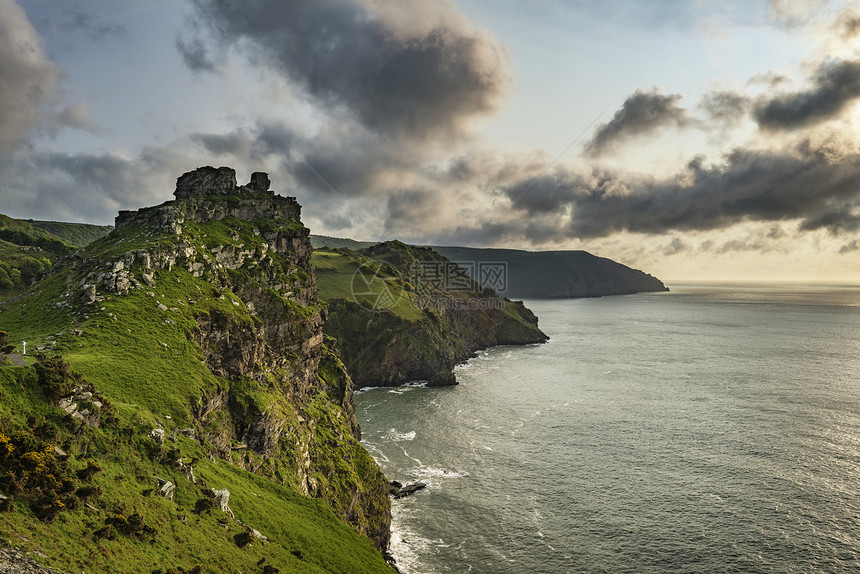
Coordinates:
x,y
799,13
835,85
195,54
769,78
816,184
88,187
849,247
411,68
78,116
643,113
848,24
76,18
28,79
725,108
674,247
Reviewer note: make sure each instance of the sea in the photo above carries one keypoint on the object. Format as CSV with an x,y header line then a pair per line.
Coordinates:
x,y
713,428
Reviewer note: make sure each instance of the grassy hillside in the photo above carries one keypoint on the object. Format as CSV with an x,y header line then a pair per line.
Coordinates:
x,y
537,274
559,274
393,324
270,429
320,241
25,251
77,234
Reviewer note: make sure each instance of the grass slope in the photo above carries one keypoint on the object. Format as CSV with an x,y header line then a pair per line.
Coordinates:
x,y
393,326
77,234
538,274
296,525
137,350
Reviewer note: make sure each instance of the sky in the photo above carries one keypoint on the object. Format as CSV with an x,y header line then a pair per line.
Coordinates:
x,y
693,139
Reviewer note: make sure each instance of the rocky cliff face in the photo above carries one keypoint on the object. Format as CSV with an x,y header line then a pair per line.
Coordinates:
x,y
282,406
431,328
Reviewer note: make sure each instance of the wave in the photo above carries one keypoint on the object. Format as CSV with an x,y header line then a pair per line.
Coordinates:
x,y
395,436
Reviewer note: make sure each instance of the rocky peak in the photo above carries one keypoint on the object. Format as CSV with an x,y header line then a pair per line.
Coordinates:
x,y
208,180
210,193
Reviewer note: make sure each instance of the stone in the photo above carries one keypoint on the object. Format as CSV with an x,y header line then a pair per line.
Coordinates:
x,y
259,182
222,498
167,490
89,294
188,432
442,379
205,181
149,279
408,489
157,435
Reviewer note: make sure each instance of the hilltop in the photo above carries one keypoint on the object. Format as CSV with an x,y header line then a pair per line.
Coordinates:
x,y
536,274
401,313
29,247
187,412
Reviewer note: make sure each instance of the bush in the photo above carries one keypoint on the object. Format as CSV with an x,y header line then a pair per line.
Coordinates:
x,y
107,531
86,474
89,491
243,539
203,505
56,377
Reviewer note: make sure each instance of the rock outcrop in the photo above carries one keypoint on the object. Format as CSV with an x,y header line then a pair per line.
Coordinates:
x,y
430,329
207,181
283,394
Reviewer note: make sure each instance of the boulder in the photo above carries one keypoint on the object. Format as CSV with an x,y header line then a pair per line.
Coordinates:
x,y
442,379
407,490
259,182
167,489
157,435
205,181
222,499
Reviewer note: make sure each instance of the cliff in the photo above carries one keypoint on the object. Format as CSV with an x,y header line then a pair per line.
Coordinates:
x,y
560,274
199,321
540,274
401,313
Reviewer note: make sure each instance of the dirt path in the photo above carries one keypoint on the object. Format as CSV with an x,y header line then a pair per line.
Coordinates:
x,y
17,360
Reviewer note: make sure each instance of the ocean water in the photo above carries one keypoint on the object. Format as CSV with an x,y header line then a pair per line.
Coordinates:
x,y
709,429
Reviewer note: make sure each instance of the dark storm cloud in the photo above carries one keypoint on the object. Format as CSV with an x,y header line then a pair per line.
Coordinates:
x,y
195,54
87,187
674,247
848,24
818,185
835,85
849,247
418,74
642,113
725,108
28,79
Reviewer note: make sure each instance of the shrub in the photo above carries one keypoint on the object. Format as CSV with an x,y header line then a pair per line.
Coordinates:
x,y
6,446
203,505
48,507
243,539
107,531
89,491
56,377
91,469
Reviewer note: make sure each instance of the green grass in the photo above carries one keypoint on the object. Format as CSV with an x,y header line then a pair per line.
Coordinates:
x,y
77,234
359,279
139,350
291,522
